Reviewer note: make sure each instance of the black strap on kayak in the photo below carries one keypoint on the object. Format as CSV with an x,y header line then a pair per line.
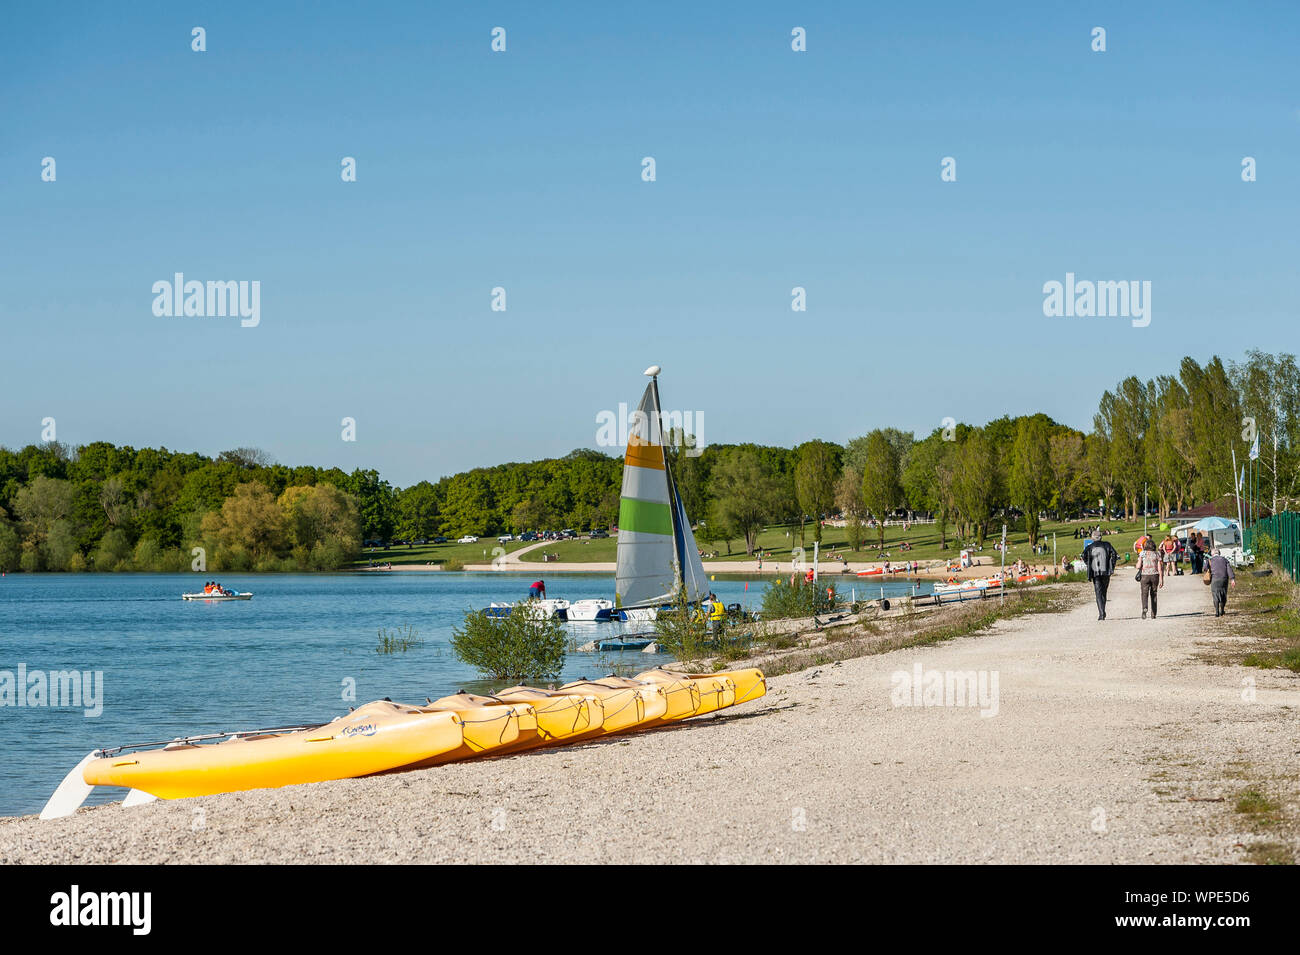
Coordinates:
x,y
183,740
508,714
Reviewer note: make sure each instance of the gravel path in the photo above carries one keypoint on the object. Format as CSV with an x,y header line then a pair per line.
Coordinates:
x,y
1109,745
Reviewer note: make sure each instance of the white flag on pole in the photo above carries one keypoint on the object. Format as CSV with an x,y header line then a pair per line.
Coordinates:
x,y
1254,449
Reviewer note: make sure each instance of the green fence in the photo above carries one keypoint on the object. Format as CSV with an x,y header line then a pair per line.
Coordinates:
x,y
1285,529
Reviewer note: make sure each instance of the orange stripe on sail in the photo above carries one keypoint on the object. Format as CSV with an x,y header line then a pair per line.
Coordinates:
x,y
644,455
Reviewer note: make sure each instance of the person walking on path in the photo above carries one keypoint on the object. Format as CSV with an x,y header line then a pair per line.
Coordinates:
x,y
1169,554
1150,575
1222,576
1100,558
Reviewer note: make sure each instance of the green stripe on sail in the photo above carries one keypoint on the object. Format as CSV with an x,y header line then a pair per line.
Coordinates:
x,y
644,517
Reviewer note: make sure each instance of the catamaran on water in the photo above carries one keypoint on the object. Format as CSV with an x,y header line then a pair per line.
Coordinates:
x,y
657,554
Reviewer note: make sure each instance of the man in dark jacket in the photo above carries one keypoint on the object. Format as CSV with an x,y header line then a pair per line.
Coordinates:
x,y
1100,559
1221,575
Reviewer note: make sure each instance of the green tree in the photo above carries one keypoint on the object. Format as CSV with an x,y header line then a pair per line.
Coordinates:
x,y
927,480
1215,426
882,489
114,551
818,465
375,502
848,498
1269,386
250,522
11,547
975,482
1067,468
1030,475
744,492
323,525
42,504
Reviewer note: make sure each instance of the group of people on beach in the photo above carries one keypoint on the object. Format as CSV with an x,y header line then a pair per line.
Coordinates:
x,y
1154,564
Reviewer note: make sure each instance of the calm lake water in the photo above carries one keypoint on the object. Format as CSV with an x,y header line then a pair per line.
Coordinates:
x,y
174,668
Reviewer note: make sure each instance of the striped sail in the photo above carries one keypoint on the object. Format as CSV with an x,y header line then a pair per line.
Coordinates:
x,y
647,544
657,553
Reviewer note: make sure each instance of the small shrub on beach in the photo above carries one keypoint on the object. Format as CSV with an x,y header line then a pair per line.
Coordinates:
x,y
681,630
519,646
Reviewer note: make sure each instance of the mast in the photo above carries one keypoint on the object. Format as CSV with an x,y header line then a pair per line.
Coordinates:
x,y
678,565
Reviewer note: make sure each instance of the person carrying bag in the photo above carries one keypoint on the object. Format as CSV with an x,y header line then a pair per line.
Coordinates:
x,y
1150,576
1220,575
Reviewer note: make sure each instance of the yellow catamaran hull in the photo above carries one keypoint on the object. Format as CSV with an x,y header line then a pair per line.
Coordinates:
x,y
371,739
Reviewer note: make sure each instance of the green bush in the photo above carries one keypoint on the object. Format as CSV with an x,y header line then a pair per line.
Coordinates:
x,y
681,631
802,599
147,555
11,548
516,647
114,551
328,555
30,561
1266,547
59,546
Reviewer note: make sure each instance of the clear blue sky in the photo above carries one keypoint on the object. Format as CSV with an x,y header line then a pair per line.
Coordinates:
x,y
522,170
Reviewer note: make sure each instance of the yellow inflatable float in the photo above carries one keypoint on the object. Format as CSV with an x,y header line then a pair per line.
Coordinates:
x,y
371,739
384,737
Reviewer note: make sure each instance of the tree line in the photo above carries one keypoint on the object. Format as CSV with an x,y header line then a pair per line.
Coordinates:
x,y
103,507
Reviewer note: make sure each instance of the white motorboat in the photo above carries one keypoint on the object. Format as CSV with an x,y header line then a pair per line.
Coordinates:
x,y
542,609
216,597
594,608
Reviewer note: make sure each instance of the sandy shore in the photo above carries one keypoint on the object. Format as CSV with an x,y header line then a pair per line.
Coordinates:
x,y
832,568
1109,745
929,570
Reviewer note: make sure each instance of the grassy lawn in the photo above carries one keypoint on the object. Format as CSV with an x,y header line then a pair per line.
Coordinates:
x,y
479,553
778,540
1269,611
582,550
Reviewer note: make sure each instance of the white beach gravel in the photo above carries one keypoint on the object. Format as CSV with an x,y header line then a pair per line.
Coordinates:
x,y
1109,740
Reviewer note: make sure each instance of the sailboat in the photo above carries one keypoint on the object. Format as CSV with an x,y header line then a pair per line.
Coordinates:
x,y
657,554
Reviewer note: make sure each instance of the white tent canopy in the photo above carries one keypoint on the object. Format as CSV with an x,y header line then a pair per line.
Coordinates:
x,y
1217,529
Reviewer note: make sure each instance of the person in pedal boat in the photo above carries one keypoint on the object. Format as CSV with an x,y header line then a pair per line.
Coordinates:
x,y
207,588
537,591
